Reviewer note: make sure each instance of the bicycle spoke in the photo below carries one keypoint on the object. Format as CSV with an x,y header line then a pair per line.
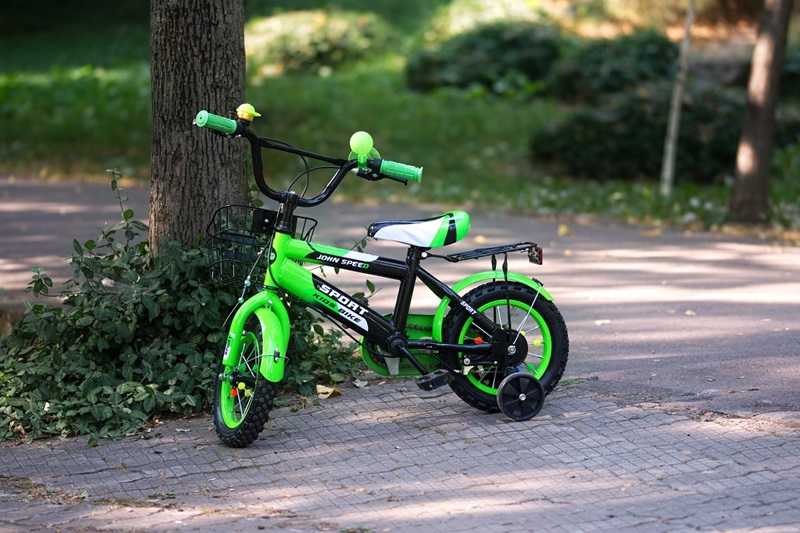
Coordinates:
x,y
530,308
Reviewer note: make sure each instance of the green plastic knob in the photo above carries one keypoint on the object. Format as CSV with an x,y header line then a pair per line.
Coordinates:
x,y
361,143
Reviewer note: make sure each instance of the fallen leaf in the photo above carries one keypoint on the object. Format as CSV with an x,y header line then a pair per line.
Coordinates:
x,y
602,322
563,230
655,232
480,239
324,392
360,383
689,312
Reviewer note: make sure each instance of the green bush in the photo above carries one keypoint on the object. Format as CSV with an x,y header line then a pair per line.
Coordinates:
x,y
137,338
311,41
487,56
623,138
606,66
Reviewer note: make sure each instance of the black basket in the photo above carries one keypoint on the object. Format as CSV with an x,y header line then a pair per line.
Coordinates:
x,y
237,239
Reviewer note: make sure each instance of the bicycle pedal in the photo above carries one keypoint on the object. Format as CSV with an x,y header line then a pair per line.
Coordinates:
x,y
434,380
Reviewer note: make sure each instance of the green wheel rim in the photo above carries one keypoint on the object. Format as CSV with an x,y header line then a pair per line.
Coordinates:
x,y
234,402
533,327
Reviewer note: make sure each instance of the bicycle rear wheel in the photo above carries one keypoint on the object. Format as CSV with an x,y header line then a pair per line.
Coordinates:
x,y
243,399
533,322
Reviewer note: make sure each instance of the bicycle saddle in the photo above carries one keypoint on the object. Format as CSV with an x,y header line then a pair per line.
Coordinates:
x,y
426,233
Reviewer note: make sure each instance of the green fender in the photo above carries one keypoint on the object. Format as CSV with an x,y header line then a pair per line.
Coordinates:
x,y
489,275
271,313
275,329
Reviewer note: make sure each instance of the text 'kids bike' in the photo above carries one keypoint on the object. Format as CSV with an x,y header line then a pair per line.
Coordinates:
x,y
496,338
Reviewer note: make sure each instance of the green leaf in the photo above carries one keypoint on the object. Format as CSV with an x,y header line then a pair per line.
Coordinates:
x,y
101,412
128,386
153,309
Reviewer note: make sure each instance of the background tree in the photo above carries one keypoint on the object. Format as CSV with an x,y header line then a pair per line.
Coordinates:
x,y
748,201
197,61
673,123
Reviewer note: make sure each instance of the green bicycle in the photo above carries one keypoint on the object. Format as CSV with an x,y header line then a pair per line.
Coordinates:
x,y
496,337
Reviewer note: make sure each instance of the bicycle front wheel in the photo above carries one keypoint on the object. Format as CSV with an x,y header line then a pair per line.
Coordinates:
x,y
531,322
243,399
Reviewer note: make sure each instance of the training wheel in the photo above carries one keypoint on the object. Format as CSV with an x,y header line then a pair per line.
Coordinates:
x,y
520,396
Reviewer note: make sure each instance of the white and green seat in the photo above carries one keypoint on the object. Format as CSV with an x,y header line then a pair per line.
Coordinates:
x,y
425,233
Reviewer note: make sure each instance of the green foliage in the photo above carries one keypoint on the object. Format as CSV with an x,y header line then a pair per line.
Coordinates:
x,y
604,66
790,75
406,16
75,112
786,161
136,338
21,19
312,41
462,16
623,137
497,56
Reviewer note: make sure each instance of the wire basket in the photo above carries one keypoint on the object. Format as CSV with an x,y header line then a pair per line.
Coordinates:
x,y
238,240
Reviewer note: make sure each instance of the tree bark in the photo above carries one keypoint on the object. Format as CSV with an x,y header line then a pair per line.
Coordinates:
x,y
749,198
197,61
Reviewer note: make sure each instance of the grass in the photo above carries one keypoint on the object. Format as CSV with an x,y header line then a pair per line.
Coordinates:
x,y
77,102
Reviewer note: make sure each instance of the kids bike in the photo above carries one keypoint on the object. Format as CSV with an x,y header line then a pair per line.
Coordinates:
x,y
496,337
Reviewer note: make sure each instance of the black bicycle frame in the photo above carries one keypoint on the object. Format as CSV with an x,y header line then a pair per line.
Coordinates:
x,y
389,334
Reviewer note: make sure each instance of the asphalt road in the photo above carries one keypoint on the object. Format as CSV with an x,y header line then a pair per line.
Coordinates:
x,y
697,322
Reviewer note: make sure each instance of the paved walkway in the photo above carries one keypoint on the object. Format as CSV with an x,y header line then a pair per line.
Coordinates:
x,y
678,410
386,458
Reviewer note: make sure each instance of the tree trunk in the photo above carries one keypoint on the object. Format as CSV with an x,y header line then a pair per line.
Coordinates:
x,y
197,61
673,124
749,198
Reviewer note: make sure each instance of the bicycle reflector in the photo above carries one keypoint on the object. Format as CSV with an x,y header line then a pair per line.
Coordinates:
x,y
535,255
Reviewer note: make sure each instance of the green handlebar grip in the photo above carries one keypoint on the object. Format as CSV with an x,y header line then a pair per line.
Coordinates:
x,y
205,119
399,170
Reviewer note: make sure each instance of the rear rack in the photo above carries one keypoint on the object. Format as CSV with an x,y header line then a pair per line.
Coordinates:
x,y
534,252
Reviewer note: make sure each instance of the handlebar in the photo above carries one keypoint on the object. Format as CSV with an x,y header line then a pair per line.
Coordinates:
x,y
400,171
205,119
370,168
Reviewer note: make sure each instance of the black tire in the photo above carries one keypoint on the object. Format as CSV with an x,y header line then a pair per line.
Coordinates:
x,y
243,399
544,342
520,396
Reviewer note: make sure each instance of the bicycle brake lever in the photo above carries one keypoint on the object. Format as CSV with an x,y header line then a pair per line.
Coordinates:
x,y
369,175
398,180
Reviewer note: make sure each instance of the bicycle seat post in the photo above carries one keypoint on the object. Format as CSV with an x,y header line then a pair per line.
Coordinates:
x,y
403,303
